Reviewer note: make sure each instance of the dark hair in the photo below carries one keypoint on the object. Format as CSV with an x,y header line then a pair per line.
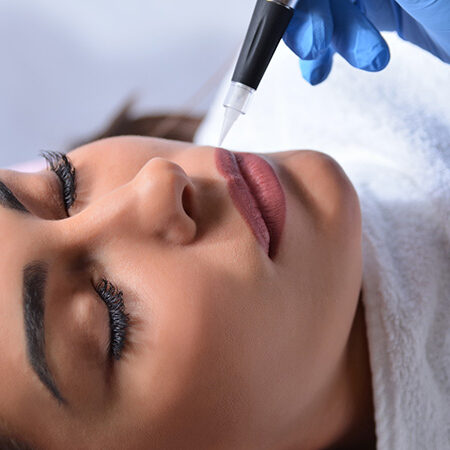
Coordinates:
x,y
176,126
7,443
9,440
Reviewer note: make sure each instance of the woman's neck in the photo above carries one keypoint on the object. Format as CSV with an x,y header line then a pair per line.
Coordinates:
x,y
357,390
343,416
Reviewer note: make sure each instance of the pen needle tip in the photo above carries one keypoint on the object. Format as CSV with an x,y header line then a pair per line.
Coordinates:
x,y
231,115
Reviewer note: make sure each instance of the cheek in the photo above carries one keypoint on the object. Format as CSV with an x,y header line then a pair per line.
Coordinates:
x,y
198,347
328,285
323,260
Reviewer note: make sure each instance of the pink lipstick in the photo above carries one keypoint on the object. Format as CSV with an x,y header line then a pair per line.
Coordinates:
x,y
257,194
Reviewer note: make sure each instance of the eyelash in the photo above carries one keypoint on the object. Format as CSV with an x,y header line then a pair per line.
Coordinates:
x,y
108,293
118,318
63,168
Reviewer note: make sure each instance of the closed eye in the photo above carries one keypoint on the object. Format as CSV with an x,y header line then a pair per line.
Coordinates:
x,y
118,318
60,164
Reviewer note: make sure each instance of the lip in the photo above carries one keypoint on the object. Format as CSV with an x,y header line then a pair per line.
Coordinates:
x,y
257,194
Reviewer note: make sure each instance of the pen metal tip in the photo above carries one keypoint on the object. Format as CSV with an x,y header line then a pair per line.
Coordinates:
x,y
231,115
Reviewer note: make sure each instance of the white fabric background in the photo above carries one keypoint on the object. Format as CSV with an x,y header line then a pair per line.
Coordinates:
x,y
67,66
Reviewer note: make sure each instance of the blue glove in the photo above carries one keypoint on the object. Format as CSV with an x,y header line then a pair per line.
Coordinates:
x,y
320,28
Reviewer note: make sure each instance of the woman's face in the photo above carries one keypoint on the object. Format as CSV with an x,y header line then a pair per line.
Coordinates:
x,y
216,345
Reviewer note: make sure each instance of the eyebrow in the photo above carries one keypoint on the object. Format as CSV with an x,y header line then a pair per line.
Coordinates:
x,y
8,200
34,281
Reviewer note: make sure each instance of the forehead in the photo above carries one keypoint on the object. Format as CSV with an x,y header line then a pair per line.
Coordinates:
x,y
128,148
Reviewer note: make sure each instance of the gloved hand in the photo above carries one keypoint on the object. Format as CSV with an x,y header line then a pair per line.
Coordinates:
x,y
320,28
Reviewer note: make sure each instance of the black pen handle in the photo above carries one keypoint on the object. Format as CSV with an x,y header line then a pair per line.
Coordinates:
x,y
268,24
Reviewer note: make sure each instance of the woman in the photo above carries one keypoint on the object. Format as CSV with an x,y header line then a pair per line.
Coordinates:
x,y
195,298
173,316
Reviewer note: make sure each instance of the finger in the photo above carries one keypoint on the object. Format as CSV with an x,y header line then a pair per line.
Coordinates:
x,y
356,39
310,31
317,70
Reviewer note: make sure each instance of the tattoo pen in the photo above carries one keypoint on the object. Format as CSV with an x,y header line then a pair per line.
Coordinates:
x,y
267,26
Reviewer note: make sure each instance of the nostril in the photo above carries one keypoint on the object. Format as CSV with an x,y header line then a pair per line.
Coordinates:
x,y
186,200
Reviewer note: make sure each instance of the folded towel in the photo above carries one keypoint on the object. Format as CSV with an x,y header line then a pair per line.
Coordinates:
x,y
391,133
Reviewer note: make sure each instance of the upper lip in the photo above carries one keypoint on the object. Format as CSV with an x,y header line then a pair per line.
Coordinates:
x,y
256,193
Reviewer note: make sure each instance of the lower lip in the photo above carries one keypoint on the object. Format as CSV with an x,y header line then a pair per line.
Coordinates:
x,y
257,194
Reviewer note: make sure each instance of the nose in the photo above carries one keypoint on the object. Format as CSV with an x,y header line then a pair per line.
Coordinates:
x,y
157,203
163,196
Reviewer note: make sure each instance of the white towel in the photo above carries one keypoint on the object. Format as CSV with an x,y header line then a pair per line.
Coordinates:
x,y
391,133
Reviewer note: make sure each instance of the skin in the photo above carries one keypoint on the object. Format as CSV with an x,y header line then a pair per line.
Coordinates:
x,y
227,349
